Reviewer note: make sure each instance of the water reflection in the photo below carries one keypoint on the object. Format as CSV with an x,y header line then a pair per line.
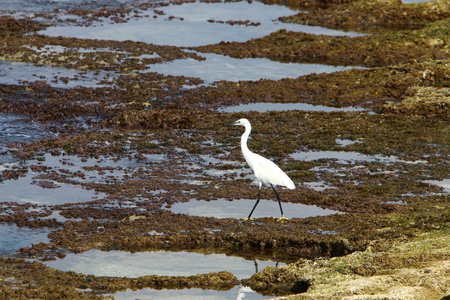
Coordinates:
x,y
193,24
238,292
188,24
240,208
48,192
219,67
162,263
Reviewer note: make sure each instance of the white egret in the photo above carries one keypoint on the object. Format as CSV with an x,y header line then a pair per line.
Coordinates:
x,y
265,170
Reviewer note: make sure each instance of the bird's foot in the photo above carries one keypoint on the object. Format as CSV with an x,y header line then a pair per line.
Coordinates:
x,y
282,219
248,219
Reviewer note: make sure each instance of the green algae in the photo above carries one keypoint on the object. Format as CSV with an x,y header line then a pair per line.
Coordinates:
x,y
417,261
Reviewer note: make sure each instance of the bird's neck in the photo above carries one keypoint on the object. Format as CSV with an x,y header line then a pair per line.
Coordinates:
x,y
244,139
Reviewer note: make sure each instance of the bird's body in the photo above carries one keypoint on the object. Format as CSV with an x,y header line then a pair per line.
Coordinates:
x,y
266,171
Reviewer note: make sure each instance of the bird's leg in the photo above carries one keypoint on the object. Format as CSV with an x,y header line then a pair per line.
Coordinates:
x,y
257,201
279,203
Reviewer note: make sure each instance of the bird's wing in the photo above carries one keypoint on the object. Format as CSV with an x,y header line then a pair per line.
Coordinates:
x,y
268,172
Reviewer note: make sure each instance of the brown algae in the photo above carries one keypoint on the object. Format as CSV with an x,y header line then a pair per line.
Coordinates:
x,y
392,240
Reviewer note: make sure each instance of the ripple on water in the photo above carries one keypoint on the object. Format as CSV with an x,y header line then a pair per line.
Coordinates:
x,y
19,128
12,237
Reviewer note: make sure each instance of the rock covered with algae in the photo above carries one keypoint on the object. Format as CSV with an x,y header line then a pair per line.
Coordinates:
x,y
417,268
423,101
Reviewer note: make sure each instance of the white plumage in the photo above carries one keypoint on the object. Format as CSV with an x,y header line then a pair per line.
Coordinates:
x,y
265,170
268,172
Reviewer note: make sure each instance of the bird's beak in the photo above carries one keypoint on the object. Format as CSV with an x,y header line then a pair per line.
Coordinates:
x,y
231,124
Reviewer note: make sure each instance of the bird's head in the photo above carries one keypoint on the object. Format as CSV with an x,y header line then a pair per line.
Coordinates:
x,y
242,122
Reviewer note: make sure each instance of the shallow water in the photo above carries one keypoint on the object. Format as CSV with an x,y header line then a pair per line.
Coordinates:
x,y
191,24
318,186
162,263
219,67
13,237
42,5
87,170
101,169
198,31
345,157
241,208
238,292
41,191
264,107
31,192
415,1
445,184
22,73
18,128
346,142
